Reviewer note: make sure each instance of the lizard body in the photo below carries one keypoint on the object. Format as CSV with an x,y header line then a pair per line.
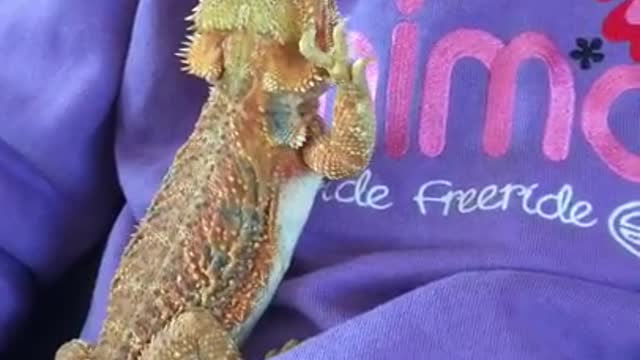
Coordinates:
x,y
219,235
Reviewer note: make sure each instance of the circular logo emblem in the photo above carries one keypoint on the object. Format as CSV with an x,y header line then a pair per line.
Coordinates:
x,y
624,226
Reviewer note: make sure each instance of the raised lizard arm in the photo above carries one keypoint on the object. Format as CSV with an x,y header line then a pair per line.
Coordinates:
x,y
347,148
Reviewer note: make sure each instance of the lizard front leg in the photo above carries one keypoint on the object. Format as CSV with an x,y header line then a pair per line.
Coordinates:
x,y
194,334
347,148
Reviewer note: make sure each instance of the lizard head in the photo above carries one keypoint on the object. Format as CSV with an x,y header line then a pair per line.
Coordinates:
x,y
282,20
286,68
293,83
272,29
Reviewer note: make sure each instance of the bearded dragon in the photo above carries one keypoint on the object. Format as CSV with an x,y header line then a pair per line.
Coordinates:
x,y
207,257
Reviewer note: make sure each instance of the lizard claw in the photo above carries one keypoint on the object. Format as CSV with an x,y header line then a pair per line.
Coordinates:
x,y
336,61
310,50
359,72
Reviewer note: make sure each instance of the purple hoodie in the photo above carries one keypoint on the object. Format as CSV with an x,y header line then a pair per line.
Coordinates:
x,y
500,217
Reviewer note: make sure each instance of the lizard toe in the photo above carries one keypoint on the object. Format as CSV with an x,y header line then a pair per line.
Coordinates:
x,y
74,350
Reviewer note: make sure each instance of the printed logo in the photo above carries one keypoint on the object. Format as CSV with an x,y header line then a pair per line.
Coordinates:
x,y
623,25
442,198
502,59
624,226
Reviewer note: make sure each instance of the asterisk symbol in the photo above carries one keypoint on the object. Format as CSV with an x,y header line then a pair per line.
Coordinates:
x,y
587,52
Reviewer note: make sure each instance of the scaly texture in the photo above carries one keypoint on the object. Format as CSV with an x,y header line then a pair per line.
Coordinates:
x,y
206,259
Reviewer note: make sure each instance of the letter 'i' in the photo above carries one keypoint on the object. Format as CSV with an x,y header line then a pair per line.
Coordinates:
x,y
402,75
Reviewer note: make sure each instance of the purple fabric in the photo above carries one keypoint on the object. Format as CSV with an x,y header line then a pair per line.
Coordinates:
x,y
92,106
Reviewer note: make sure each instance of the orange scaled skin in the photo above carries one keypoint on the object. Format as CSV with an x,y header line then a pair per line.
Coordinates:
x,y
219,235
